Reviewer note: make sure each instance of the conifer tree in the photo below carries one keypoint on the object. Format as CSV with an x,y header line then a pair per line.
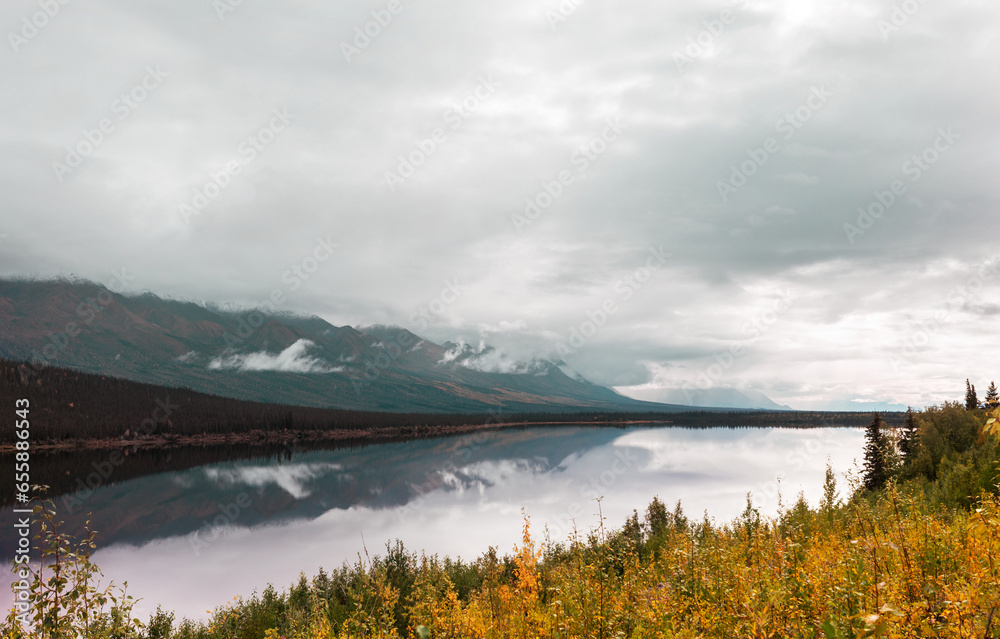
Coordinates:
x,y
909,442
971,401
992,396
875,474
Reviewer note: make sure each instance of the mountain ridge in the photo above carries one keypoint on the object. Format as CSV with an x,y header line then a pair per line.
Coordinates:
x,y
257,355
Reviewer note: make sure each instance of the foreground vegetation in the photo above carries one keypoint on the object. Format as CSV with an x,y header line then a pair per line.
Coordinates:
x,y
911,549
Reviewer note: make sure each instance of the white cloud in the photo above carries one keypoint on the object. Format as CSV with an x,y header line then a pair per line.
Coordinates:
x,y
293,359
487,359
293,478
503,326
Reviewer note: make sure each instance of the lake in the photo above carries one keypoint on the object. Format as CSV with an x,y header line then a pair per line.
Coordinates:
x,y
192,539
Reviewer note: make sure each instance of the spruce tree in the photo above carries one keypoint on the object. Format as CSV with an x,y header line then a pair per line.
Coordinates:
x,y
909,442
875,474
992,397
657,517
971,401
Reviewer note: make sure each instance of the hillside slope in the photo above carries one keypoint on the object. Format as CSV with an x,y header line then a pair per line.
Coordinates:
x,y
273,357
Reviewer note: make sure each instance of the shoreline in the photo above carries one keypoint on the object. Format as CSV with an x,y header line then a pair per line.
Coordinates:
x,y
262,437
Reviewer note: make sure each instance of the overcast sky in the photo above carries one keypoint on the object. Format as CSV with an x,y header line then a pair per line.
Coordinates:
x,y
693,165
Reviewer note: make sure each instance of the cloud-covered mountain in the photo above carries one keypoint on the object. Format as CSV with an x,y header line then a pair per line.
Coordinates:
x,y
487,359
267,356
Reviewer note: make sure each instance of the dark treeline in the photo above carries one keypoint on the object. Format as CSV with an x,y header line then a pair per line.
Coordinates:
x,y
715,418
65,471
71,405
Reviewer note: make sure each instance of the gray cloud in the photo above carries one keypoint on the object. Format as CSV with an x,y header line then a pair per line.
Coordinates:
x,y
656,185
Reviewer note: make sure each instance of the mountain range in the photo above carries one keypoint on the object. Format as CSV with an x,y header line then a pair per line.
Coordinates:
x,y
285,358
277,357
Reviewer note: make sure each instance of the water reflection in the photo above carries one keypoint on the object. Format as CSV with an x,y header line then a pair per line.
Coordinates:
x,y
192,539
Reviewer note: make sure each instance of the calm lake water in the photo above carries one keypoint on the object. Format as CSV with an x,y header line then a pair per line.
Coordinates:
x,y
192,539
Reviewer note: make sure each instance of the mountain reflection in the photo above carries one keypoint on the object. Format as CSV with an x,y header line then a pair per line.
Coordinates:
x,y
284,486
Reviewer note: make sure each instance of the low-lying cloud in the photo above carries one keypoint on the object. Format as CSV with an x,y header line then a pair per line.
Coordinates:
x,y
292,479
293,359
487,359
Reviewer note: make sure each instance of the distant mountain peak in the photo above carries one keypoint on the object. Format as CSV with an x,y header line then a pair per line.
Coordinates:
x,y
714,397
